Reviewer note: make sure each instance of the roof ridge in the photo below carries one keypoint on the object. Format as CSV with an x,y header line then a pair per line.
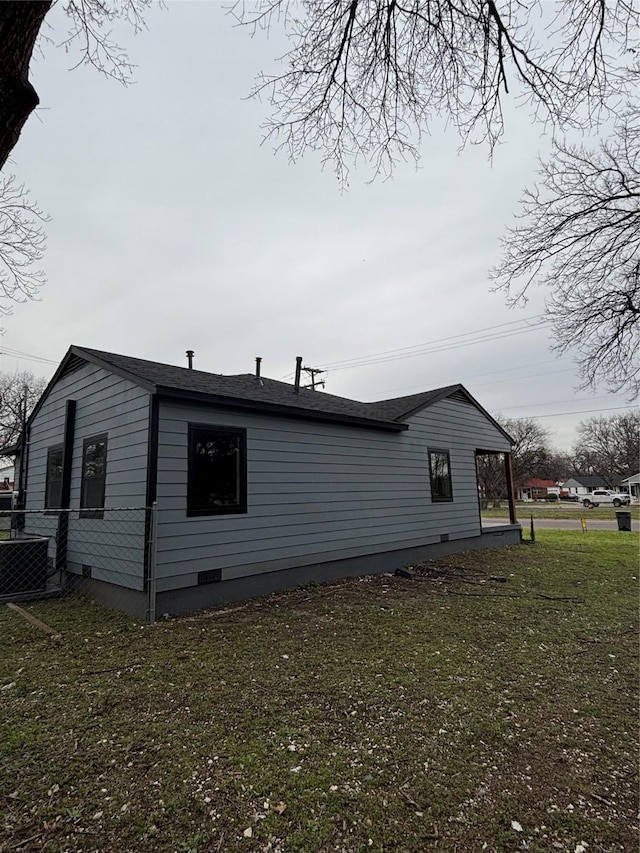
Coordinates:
x,y
105,354
416,395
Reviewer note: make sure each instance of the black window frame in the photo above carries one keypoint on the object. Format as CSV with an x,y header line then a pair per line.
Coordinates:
x,y
95,510
435,496
48,505
195,509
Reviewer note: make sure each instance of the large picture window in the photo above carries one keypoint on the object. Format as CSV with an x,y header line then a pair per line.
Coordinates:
x,y
94,468
53,488
217,479
440,474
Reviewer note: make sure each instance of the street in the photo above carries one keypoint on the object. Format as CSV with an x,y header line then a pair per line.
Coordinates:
x,y
575,524
566,523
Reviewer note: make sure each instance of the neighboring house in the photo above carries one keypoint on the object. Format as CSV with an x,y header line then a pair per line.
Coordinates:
x,y
258,484
584,484
632,486
535,489
7,473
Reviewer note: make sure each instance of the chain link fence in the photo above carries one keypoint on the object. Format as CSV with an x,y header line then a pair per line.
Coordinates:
x,y
108,554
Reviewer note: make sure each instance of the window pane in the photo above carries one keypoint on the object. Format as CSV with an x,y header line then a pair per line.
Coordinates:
x,y
216,471
440,475
53,491
94,459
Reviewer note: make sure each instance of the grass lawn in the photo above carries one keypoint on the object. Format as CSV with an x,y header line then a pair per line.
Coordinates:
x,y
561,509
454,712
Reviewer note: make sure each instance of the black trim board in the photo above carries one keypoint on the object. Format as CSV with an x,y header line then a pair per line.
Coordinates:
x,y
65,488
152,480
67,453
152,450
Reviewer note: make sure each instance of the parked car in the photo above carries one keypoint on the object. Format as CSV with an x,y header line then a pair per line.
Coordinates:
x,y
569,497
606,496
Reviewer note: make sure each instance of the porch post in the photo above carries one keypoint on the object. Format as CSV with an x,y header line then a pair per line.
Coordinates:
x,y
508,473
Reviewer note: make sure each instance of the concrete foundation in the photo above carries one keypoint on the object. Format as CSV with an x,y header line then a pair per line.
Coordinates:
x,y
190,599
225,592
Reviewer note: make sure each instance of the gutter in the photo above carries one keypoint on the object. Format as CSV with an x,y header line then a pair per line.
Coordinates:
x,y
279,409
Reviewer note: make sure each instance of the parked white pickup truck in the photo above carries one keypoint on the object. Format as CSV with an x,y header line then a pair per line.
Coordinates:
x,y
606,496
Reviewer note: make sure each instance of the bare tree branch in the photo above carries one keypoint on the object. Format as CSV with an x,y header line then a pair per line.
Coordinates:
x,y
364,79
580,237
90,23
22,244
90,33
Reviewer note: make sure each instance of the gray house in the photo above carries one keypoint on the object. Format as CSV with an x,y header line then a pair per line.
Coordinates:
x,y
258,484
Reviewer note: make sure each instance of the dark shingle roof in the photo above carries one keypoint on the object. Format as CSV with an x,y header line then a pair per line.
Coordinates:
x,y
240,388
246,391
588,480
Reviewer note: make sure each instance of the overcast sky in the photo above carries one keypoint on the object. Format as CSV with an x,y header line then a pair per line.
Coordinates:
x,y
173,228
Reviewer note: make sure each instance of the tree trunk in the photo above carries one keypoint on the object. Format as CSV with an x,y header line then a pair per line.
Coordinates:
x,y
20,22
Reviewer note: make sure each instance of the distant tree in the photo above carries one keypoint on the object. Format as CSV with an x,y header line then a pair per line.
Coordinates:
x,y
580,237
492,483
554,465
609,446
14,389
531,449
530,457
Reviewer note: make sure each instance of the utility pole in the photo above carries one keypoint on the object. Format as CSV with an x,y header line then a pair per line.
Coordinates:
x,y
315,383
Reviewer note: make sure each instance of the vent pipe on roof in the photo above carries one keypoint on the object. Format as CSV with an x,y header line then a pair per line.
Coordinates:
x,y
258,362
190,358
298,372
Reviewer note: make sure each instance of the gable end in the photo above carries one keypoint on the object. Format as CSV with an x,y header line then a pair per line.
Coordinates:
x,y
460,397
73,363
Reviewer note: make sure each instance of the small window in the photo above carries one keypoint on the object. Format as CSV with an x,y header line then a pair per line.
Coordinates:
x,y
217,470
440,472
53,488
94,466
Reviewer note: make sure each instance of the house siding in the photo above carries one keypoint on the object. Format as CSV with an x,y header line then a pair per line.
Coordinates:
x,y
318,492
114,545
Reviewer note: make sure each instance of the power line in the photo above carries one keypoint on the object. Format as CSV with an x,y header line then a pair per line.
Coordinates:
x,y
466,379
489,338
556,403
528,376
582,412
522,320
428,348
25,356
